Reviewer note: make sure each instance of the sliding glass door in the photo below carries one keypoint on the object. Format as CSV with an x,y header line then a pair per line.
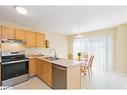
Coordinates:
x,y
100,47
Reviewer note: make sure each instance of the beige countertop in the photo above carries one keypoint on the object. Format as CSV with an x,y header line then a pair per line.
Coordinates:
x,y
62,62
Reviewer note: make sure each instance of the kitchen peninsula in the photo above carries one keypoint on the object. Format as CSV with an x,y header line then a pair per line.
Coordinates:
x,y
58,74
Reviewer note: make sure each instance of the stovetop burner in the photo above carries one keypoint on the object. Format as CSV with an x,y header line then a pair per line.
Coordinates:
x,y
13,56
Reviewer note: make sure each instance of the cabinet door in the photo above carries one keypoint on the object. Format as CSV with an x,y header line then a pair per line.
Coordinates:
x,y
30,39
40,39
0,32
8,32
20,34
38,67
42,69
32,67
0,37
48,73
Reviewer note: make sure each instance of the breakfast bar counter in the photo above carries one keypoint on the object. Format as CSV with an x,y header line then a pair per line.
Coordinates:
x,y
72,69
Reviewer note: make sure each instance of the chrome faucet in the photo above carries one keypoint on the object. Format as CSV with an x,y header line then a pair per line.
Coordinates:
x,y
54,52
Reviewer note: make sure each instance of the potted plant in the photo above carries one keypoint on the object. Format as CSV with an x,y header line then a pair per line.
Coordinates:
x,y
79,54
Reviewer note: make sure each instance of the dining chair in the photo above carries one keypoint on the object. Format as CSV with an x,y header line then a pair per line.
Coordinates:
x,y
84,59
84,56
87,68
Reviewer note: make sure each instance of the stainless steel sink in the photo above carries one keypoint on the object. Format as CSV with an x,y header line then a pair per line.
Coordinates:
x,y
51,58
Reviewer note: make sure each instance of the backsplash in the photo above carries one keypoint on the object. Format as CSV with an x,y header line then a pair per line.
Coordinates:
x,y
12,47
44,51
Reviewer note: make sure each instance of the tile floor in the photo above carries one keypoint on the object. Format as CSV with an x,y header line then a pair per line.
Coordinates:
x,y
33,83
104,80
101,80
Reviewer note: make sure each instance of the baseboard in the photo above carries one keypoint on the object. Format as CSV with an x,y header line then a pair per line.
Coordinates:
x,y
121,74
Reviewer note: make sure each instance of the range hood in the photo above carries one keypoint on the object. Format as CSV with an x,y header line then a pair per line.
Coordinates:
x,y
13,41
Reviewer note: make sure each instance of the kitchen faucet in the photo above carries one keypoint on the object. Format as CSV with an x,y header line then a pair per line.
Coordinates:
x,y
54,52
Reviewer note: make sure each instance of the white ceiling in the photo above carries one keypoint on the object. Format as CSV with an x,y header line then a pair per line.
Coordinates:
x,y
67,19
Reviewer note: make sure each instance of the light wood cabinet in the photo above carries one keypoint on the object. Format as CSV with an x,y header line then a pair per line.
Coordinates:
x,y
8,32
40,39
38,68
47,76
32,67
0,32
44,71
0,37
41,70
20,34
30,39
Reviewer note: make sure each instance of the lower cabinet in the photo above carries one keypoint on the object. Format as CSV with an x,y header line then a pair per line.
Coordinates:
x,y
55,76
38,67
32,67
44,71
47,75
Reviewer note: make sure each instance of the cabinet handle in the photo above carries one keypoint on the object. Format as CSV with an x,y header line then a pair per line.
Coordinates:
x,y
58,67
4,63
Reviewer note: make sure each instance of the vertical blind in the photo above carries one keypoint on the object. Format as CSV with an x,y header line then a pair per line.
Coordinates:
x,y
100,47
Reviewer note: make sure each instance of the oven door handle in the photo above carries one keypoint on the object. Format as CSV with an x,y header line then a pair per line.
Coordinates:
x,y
4,63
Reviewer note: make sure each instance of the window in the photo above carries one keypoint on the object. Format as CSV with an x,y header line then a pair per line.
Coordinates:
x,y
100,47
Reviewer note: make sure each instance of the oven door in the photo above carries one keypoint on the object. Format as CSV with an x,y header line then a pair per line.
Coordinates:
x,y
14,69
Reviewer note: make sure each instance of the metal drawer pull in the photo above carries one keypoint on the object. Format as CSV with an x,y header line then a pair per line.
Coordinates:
x,y
61,68
14,61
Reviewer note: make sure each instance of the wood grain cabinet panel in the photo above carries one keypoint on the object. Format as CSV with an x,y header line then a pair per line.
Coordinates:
x,y
41,69
8,32
30,39
0,37
38,68
48,73
0,33
32,67
20,34
44,71
40,40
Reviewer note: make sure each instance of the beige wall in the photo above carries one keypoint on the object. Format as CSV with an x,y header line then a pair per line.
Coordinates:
x,y
122,48
56,40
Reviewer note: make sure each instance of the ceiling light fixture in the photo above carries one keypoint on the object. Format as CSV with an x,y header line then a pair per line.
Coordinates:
x,y
79,36
21,10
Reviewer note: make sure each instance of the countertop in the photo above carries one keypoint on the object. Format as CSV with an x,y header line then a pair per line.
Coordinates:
x,y
62,62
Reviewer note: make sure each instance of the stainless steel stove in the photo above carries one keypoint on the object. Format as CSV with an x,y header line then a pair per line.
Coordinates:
x,y
14,67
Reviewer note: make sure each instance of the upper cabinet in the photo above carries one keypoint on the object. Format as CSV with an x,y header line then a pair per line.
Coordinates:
x,y
20,34
40,38
8,32
30,39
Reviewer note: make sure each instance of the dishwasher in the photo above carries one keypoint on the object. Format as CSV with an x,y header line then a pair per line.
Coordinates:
x,y
59,77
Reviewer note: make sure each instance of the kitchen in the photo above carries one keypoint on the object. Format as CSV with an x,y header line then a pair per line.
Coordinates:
x,y
50,47
50,69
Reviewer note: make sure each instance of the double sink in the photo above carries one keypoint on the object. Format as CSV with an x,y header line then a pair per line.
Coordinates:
x,y
51,58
